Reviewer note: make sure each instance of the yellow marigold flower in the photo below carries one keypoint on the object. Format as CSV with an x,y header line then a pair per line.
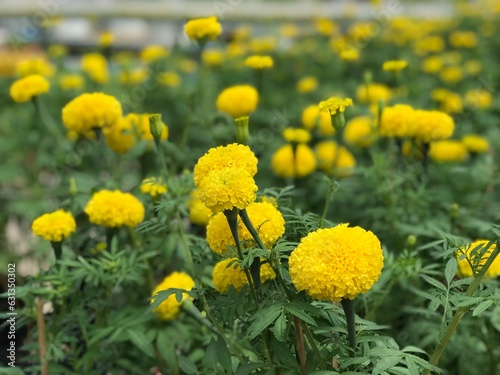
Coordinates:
x,y
448,151
307,84
228,272
398,121
475,143
473,67
154,53
57,50
114,209
266,219
71,82
132,77
433,125
477,255
169,79
153,186
349,54
334,105
25,89
432,64
170,309
394,65
203,29
212,57
463,39
124,134
236,49
429,44
326,27
233,155
334,161
89,111
227,188
372,93
96,66
478,98
312,117
451,103
451,74
359,132
106,39
270,200
199,214
439,94
362,31
263,44
188,66
286,163
35,65
259,62
238,101
335,263
296,135
55,226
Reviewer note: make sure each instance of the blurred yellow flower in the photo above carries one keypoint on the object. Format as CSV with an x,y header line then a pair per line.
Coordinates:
x,y
333,160
429,44
54,226
326,27
398,121
96,66
463,39
203,29
448,151
477,254
289,163
153,186
349,54
359,132
106,39
312,117
35,65
473,67
394,65
154,53
199,214
259,62
263,44
475,143
238,101
57,51
433,125
132,77
228,272
372,93
432,64
25,89
169,79
293,135
212,57
71,82
170,308
307,84
451,74
478,98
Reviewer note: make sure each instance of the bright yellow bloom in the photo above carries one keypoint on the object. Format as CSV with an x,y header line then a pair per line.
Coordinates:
x,y
463,39
71,82
259,62
154,53
25,89
169,79
114,209
55,226
170,309
398,121
429,44
266,219
96,66
233,155
394,65
312,117
35,65
432,64
286,163
293,135
349,54
375,92
106,39
335,263
451,74
433,125
199,214
333,161
124,134
448,151
326,27
238,101
359,131
89,111
478,98
133,77
228,273
307,84
154,186
227,188
475,143
477,255
212,57
203,29
334,105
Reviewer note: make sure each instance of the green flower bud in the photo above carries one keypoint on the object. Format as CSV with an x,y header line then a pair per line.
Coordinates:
x,y
155,126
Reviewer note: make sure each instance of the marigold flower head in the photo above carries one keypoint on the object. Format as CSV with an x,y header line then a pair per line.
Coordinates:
x,y
429,44
259,62
129,130
359,131
335,105
372,93
263,44
476,143
336,263
35,65
169,79
288,162
153,186
234,155
325,26
114,209
398,121
89,111
313,118
71,82
54,226
203,29
451,74
478,98
170,308
432,64
106,39
132,77
96,66
154,53
394,65
473,67
212,57
238,101
307,84
463,39
448,151
433,125
349,54
334,160
264,216
451,103
228,272
293,135
25,89
477,255
199,214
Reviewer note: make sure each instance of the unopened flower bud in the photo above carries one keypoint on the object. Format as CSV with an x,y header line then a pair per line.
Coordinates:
x,y
155,126
242,129
73,189
454,209
411,240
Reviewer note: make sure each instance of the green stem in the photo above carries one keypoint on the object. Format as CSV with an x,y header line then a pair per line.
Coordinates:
x,y
185,242
47,120
57,246
161,157
315,348
255,266
350,316
459,314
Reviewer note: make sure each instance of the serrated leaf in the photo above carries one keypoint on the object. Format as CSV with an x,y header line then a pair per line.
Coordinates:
x,y
140,340
482,307
300,314
434,282
279,328
211,355
187,366
469,301
412,366
263,319
223,355
451,270
249,368
386,363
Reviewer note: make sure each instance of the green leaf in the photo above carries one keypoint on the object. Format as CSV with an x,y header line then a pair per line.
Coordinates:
x,y
451,270
279,328
434,282
140,340
482,307
224,355
300,314
469,301
324,372
249,368
412,366
187,366
211,355
386,363
263,319
166,348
